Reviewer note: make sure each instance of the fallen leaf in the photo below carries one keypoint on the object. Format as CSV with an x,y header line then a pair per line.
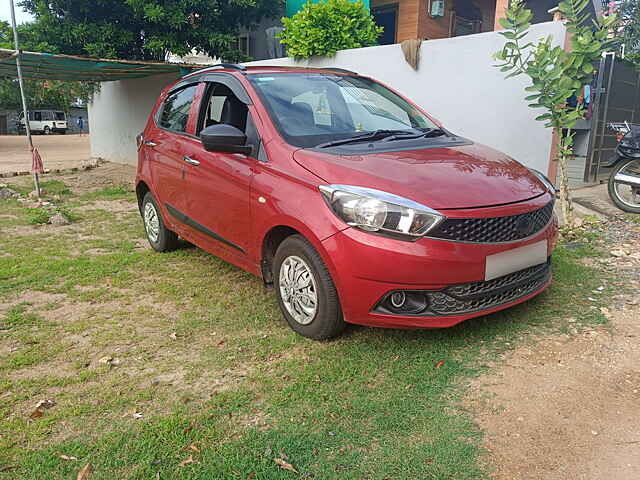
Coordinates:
x,y
284,465
37,413
440,363
137,415
221,342
105,360
173,336
194,447
85,472
67,457
251,475
186,461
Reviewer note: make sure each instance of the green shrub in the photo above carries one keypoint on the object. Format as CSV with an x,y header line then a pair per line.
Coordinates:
x,y
328,26
38,215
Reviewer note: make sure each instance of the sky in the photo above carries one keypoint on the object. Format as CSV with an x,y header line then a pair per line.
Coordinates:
x,y
5,13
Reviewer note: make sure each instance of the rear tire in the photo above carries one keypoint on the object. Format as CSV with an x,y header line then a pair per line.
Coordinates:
x,y
613,194
305,291
159,236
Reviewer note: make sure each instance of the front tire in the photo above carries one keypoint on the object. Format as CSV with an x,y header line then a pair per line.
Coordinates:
x,y
159,236
623,203
47,131
305,291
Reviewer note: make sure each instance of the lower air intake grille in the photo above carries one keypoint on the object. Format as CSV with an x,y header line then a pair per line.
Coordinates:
x,y
466,298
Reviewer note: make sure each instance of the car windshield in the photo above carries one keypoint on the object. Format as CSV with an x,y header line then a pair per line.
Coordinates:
x,y
311,109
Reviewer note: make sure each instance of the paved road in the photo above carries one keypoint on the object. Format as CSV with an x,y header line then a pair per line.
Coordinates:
x,y
57,151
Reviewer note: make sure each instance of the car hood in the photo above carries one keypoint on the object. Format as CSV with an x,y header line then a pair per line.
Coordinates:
x,y
467,176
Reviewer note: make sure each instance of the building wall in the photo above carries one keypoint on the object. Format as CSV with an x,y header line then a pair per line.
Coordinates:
x,y
10,119
119,112
457,83
432,28
407,21
259,49
488,8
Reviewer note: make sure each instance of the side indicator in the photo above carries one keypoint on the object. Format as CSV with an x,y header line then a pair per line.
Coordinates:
x,y
262,200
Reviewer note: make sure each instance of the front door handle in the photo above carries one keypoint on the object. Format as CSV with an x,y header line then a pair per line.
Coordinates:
x,y
191,161
149,143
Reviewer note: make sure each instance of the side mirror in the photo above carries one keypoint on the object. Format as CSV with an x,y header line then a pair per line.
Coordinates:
x,y
224,138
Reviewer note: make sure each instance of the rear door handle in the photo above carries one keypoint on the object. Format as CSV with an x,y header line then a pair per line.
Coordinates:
x,y
149,143
191,161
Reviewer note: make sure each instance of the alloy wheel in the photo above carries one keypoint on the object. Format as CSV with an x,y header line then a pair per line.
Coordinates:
x,y
298,290
151,222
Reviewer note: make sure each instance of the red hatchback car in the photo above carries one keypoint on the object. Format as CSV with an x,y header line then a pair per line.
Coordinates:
x,y
350,200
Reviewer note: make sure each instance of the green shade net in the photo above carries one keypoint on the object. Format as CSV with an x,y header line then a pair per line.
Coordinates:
x,y
294,6
67,67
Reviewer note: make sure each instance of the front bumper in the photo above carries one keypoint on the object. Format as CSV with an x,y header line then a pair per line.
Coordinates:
x,y
368,268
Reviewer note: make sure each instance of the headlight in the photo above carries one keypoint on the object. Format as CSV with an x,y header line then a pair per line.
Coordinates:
x,y
376,211
546,182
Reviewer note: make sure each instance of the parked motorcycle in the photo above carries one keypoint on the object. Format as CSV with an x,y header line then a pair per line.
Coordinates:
x,y
624,182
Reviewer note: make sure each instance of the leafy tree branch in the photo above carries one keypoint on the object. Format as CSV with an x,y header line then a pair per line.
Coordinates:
x,y
556,74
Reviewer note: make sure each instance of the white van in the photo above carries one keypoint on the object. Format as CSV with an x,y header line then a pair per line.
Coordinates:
x,y
45,122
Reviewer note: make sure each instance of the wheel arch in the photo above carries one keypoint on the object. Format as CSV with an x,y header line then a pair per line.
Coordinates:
x,y
270,243
141,190
272,239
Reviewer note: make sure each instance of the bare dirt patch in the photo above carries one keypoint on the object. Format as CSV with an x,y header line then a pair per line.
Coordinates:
x,y
567,406
106,175
57,151
115,206
34,298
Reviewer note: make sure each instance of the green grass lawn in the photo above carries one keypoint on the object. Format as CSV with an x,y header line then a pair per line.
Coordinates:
x,y
208,382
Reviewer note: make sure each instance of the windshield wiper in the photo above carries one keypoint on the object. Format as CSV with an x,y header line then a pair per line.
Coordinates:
x,y
427,133
369,136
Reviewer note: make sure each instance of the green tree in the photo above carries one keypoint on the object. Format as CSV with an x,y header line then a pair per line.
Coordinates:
x,y
629,31
43,93
39,93
328,26
145,29
556,74
28,40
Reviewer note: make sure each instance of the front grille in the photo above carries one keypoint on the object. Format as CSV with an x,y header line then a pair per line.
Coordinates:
x,y
467,298
494,229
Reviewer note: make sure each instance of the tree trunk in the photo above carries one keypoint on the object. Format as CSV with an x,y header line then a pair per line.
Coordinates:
x,y
565,153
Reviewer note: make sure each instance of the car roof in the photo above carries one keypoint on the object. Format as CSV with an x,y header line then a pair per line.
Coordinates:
x,y
270,69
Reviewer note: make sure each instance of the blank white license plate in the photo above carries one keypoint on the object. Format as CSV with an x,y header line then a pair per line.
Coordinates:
x,y
511,261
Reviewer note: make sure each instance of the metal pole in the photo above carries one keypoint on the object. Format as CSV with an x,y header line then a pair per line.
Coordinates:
x,y
27,127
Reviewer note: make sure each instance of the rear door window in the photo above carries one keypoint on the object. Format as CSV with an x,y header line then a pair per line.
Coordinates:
x,y
175,110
